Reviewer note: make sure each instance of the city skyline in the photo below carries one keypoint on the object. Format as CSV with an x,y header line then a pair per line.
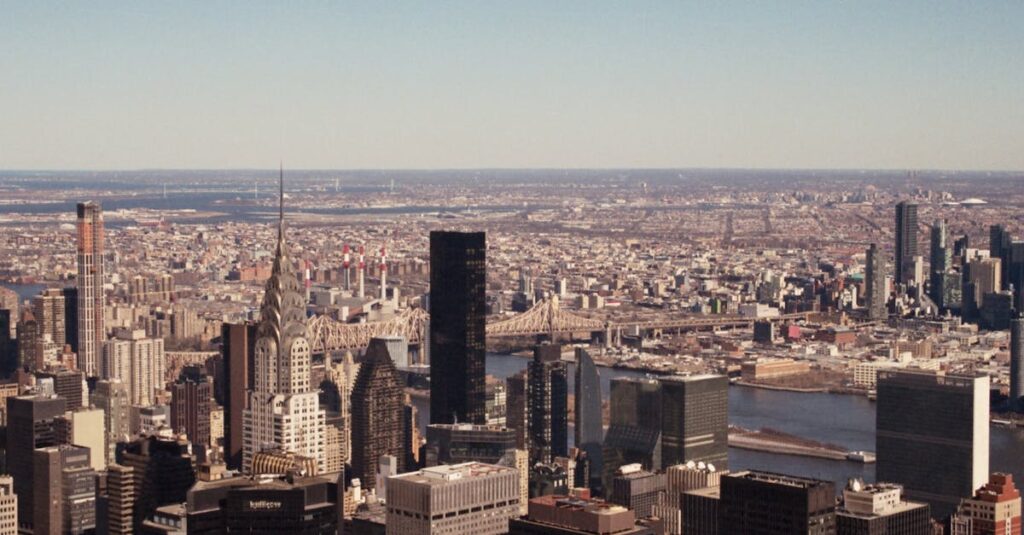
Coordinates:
x,y
731,245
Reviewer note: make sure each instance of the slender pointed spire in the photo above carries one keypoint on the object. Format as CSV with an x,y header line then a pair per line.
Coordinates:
x,y
280,205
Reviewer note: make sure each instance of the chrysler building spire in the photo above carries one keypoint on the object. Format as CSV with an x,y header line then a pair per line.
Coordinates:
x,y
284,413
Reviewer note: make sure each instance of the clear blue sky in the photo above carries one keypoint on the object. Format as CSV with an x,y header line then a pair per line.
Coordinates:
x,y
431,84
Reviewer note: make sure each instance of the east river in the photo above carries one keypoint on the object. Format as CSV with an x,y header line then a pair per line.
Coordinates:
x,y
845,420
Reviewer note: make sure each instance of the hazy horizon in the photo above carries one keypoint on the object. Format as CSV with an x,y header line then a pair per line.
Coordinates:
x,y
532,85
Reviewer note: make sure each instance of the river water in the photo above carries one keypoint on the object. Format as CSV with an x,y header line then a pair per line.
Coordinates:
x,y
840,419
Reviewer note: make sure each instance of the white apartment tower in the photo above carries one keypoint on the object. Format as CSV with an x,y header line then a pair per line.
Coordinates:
x,y
137,361
284,411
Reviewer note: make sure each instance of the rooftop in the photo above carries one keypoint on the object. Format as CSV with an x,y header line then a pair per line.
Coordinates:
x,y
441,474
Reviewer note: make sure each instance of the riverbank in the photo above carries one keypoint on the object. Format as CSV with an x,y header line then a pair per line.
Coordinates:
x,y
820,390
773,441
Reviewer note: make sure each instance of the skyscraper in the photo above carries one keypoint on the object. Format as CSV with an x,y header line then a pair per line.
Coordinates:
x,y
458,273
119,500
932,435
548,405
191,401
91,301
906,241
138,361
32,422
460,443
762,503
695,420
48,308
462,499
284,411
515,407
163,469
941,262
877,293
939,253
588,430
71,317
1000,244
634,432
238,349
377,416
66,483
1017,364
111,395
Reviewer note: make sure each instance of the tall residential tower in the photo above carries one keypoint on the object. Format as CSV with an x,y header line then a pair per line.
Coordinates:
x,y
91,333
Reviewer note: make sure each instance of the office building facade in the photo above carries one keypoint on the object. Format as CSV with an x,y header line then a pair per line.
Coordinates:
x,y
32,422
458,284
1017,364
377,415
880,509
463,499
876,291
238,351
695,420
548,404
588,428
906,241
932,435
763,503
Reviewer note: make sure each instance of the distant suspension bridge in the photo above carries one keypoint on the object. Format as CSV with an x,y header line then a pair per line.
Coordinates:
x,y
544,318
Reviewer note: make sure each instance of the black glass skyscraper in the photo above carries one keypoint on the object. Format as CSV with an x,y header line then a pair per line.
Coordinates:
x,y
763,503
906,240
458,274
587,431
548,405
1017,364
634,433
932,435
695,420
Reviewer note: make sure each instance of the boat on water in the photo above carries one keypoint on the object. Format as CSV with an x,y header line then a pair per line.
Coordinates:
x,y
861,456
872,395
1002,422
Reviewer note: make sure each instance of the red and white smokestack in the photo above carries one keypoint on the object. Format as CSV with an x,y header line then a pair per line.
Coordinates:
x,y
362,272
383,273
345,266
